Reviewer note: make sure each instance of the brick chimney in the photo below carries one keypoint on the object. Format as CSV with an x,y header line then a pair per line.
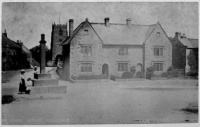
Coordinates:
x,y
178,35
128,22
71,27
5,34
19,43
106,21
183,36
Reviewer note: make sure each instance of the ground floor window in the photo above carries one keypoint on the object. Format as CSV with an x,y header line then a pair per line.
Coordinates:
x,y
122,66
158,66
86,67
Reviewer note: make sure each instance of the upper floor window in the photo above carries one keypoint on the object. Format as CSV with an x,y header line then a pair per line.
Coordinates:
x,y
86,67
85,32
123,51
60,32
158,34
122,66
158,66
86,50
158,51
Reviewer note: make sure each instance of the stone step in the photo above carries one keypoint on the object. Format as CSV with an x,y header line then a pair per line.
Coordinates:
x,y
42,76
45,82
60,89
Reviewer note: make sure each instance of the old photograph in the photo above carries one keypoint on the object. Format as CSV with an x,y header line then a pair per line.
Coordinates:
x,y
89,63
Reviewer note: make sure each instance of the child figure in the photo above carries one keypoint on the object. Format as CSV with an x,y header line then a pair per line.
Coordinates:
x,y
29,84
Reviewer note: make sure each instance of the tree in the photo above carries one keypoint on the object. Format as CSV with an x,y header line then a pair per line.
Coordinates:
x,y
193,61
36,53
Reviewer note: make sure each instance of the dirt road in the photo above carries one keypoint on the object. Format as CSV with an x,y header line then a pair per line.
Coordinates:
x,y
108,103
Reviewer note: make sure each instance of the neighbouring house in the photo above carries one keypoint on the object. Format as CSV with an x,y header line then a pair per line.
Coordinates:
x,y
26,55
11,54
113,48
14,54
58,35
182,46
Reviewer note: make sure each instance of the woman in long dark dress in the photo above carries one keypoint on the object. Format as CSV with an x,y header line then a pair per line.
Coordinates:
x,y
22,85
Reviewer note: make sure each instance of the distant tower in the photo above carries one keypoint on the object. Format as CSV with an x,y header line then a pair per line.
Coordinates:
x,y
58,35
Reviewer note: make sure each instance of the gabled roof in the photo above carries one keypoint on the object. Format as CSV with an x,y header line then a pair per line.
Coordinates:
x,y
68,39
118,34
7,42
121,34
190,43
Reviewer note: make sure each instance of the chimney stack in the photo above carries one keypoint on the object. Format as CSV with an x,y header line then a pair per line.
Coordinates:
x,y
178,35
183,36
128,22
106,21
71,27
5,34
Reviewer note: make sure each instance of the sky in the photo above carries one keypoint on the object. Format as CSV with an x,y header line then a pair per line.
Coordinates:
x,y
26,21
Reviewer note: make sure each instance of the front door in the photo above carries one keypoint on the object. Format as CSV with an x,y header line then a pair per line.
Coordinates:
x,y
105,69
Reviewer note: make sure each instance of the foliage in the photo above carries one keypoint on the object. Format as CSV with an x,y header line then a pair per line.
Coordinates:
x,y
127,75
36,53
89,77
139,74
171,73
193,61
149,72
113,77
133,70
170,68
164,74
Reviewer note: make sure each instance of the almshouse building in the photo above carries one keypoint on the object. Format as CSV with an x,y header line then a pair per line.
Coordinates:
x,y
112,48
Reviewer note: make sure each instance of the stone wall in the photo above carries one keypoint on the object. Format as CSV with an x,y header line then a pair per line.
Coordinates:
x,y
158,38
112,58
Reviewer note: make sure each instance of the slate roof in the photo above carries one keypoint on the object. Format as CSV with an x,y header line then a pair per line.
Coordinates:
x,y
190,43
118,34
6,41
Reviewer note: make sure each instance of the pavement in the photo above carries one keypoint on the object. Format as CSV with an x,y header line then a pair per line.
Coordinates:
x,y
137,102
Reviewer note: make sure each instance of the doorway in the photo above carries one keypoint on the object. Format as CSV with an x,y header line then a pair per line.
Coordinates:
x,y
105,69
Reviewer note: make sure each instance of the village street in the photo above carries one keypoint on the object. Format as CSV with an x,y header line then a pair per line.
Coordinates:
x,y
110,102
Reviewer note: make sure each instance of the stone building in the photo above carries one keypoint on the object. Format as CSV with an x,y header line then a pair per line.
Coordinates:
x,y
113,48
11,53
58,35
26,56
181,49
14,54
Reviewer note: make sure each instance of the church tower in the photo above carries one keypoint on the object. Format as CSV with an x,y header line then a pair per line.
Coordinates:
x,y
58,35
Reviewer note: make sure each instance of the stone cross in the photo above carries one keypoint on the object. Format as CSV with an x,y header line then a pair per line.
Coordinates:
x,y
42,54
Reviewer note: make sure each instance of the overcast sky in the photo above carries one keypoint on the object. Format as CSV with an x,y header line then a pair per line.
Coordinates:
x,y
26,21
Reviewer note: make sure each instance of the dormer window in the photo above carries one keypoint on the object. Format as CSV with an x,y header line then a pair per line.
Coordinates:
x,y
158,34
85,32
123,51
60,32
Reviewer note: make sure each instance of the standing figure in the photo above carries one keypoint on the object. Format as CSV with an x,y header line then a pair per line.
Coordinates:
x,y
35,72
22,85
29,84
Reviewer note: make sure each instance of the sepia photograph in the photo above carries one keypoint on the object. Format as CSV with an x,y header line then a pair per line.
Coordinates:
x,y
96,62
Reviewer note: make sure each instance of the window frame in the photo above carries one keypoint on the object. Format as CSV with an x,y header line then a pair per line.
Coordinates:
x,y
123,51
85,50
159,66
84,68
86,32
122,66
158,51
